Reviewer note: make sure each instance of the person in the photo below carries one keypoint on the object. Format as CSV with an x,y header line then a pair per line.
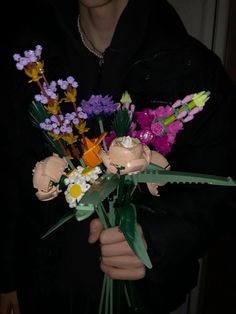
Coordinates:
x,y
112,46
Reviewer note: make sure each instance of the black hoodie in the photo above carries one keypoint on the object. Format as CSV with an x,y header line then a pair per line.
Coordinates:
x,y
153,57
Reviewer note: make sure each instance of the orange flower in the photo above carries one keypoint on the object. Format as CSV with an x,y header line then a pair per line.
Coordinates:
x,y
90,156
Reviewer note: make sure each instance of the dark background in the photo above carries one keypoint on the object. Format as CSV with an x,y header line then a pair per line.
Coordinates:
x,y
217,293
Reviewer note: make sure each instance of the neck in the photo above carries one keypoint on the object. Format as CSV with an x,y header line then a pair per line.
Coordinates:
x,y
99,22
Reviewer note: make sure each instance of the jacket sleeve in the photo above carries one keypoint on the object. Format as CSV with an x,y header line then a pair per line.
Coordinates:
x,y
8,215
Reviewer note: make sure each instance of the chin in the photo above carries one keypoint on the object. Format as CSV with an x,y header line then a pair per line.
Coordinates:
x,y
94,3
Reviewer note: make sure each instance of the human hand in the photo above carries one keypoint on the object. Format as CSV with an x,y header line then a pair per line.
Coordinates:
x,y
9,303
118,260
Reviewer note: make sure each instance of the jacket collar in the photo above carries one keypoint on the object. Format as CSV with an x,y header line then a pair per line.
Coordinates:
x,y
142,30
139,22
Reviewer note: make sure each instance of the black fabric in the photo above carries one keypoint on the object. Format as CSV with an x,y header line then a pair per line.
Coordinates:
x,y
153,57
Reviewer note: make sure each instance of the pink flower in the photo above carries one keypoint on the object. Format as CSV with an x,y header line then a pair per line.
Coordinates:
x,y
163,112
171,138
174,127
145,136
182,114
187,98
188,118
157,128
133,126
110,138
144,118
177,103
195,110
161,144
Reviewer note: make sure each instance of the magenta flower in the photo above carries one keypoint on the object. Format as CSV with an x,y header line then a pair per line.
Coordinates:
x,y
109,138
162,144
171,138
145,136
174,127
163,112
144,118
157,128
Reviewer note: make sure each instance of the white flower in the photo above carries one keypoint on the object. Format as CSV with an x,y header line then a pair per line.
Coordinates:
x,y
91,174
78,181
74,193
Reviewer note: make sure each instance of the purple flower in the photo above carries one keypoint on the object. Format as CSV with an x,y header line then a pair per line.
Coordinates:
x,y
41,98
98,105
30,56
65,83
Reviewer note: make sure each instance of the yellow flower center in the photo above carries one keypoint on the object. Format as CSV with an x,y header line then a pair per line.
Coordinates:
x,y
75,190
87,170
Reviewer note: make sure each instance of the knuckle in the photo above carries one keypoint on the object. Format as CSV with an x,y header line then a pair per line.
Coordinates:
x,y
103,251
141,272
104,260
112,273
137,262
103,267
103,237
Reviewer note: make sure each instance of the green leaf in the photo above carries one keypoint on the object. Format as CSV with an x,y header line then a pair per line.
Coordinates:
x,y
100,189
84,211
37,113
121,122
128,225
64,219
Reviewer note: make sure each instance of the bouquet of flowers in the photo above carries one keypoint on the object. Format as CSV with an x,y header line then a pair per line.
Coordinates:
x,y
100,174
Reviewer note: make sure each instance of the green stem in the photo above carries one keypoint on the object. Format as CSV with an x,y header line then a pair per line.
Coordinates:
x,y
100,123
172,118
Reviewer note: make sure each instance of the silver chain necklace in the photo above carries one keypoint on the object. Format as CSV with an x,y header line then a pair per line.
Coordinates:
x,y
85,40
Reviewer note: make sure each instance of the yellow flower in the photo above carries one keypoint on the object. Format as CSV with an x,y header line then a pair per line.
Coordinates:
x,y
70,138
53,106
34,71
200,98
70,95
81,127
56,137
76,187
125,99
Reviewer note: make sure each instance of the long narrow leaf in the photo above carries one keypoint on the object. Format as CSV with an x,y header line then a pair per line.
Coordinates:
x,y
64,219
128,225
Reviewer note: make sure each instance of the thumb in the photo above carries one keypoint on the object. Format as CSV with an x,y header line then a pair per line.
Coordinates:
x,y
95,230
16,309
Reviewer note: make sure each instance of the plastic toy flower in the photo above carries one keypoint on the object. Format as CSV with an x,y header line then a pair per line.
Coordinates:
x,y
100,174
78,182
98,105
30,62
159,127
